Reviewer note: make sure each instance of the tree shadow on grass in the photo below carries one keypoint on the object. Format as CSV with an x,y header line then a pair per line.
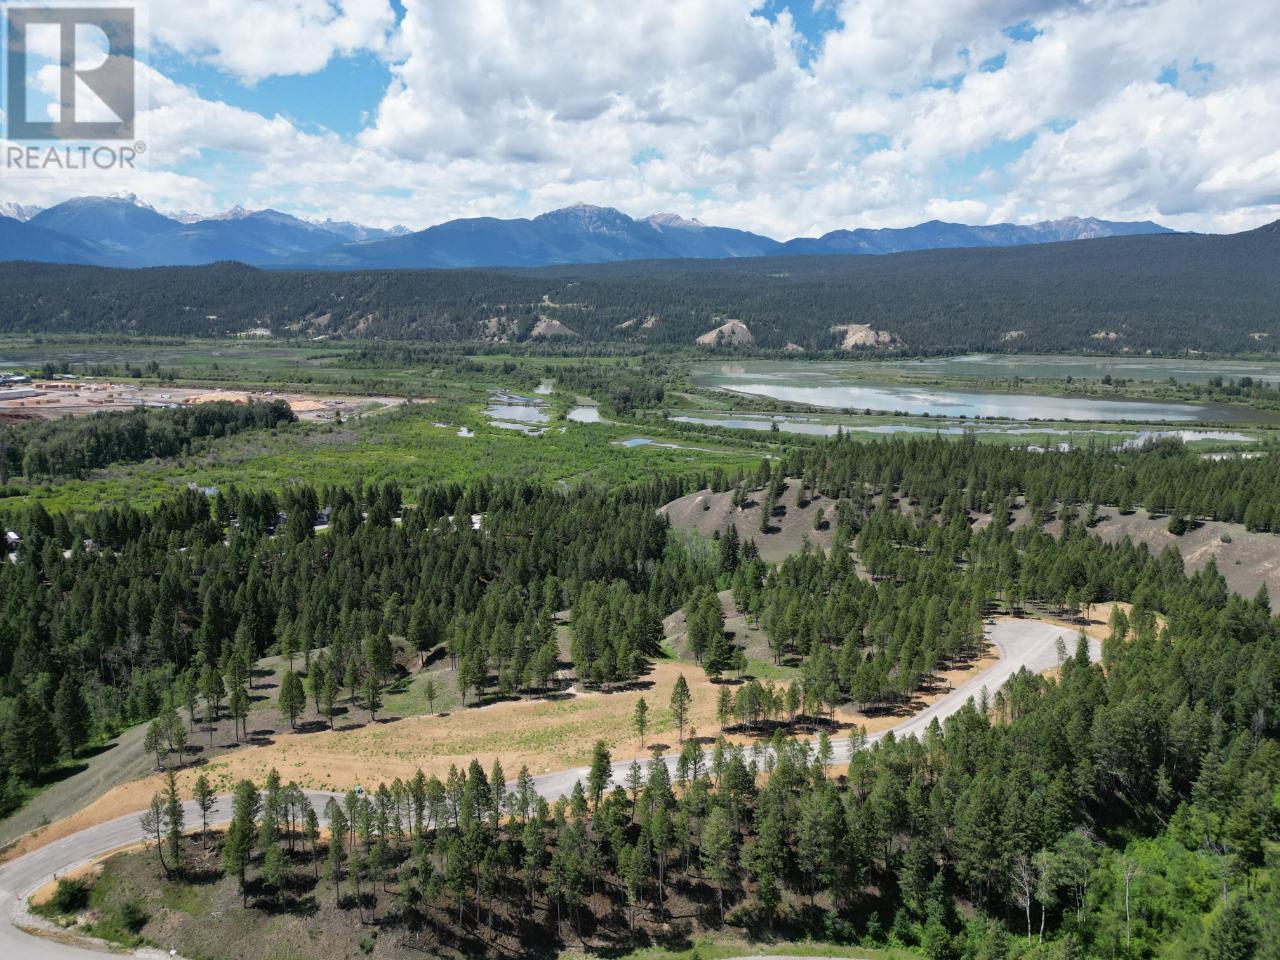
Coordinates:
x,y
88,753
202,877
60,773
433,657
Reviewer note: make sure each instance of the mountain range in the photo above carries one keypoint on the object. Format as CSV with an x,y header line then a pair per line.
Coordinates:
x,y
124,232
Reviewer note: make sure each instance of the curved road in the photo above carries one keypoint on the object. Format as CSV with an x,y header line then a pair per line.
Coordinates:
x,y
1021,644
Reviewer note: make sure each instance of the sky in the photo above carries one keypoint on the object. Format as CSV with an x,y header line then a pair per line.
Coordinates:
x,y
785,117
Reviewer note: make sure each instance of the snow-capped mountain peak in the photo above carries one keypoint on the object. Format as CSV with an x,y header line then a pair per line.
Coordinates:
x,y
673,220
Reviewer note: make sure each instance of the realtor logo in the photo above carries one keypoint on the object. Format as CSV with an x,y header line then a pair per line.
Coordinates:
x,y
91,51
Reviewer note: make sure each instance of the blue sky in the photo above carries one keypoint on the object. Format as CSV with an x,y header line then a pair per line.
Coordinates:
x,y
789,117
341,97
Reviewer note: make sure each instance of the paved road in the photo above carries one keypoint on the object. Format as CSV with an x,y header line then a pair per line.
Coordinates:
x,y
1022,644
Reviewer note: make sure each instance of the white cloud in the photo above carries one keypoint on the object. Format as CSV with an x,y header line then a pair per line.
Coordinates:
x,y
503,108
253,39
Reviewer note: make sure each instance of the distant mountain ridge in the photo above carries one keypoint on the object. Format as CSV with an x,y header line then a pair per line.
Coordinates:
x,y
576,234
1165,294
939,235
19,240
589,234
118,224
125,232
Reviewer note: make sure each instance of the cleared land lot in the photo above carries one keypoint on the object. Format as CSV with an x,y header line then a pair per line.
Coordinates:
x,y
72,398
545,734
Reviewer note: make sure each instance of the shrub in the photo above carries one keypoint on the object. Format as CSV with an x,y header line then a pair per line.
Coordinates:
x,y
133,917
70,896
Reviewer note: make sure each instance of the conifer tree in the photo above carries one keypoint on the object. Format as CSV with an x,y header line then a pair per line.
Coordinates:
x,y
70,715
292,699
681,700
640,719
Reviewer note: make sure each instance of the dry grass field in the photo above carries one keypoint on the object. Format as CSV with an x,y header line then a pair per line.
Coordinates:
x,y
544,735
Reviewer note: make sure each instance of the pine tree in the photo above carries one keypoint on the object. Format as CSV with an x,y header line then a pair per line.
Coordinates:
x,y
352,678
289,644
379,658
239,705
600,773
716,851
70,715
372,696
337,855
429,691
660,837
174,818
534,858
766,513
729,554
317,677
153,741
189,694
640,720
275,870
202,793
152,823
631,871
421,632
1233,934
244,651
30,742
292,698
213,690
329,696
237,847
311,833
681,700
178,737
724,708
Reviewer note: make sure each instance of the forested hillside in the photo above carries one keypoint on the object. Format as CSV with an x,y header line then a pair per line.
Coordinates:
x,y
1122,809
118,615
1168,294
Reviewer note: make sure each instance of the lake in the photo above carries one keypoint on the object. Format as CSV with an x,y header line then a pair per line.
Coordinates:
x,y
804,425
1040,366
636,442
510,411
837,386
784,424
